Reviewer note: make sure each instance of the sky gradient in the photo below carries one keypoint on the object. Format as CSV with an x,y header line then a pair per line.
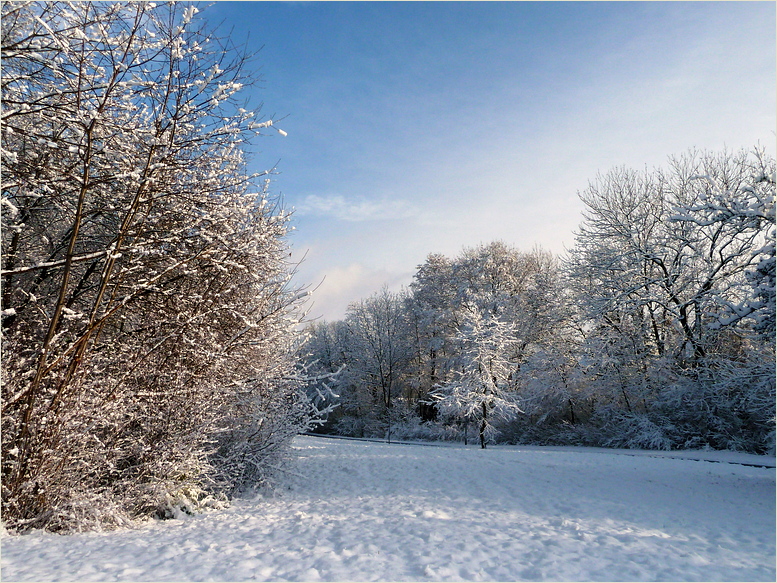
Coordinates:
x,y
428,127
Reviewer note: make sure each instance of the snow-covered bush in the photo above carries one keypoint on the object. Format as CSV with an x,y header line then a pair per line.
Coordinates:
x,y
148,314
415,429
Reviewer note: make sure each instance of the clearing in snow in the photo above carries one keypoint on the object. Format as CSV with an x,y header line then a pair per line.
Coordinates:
x,y
362,511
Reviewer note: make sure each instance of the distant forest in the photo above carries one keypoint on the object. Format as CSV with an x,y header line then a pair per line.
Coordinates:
x,y
656,330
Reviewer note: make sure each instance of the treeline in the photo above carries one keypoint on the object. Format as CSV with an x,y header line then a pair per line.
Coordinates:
x,y
147,311
655,331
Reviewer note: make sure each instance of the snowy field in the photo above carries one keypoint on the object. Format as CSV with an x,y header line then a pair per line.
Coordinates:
x,y
375,512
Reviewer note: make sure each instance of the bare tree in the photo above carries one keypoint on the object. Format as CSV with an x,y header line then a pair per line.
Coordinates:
x,y
380,349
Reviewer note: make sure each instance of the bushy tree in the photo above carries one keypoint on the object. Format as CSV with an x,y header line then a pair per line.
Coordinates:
x,y
431,309
147,310
671,269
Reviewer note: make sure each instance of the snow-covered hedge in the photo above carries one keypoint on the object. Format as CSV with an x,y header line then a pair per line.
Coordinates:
x,y
148,315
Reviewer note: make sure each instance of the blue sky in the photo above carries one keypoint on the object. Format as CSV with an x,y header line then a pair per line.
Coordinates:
x,y
427,127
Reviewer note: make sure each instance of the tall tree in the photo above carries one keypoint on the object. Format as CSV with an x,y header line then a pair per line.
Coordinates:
x,y
431,307
732,210
649,248
380,349
500,306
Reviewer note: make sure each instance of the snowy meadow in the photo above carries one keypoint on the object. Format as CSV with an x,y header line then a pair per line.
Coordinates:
x,y
360,511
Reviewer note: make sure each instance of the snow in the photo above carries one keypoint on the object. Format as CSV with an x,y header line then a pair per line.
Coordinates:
x,y
366,511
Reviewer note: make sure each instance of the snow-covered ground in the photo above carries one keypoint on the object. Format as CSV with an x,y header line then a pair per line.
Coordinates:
x,y
370,511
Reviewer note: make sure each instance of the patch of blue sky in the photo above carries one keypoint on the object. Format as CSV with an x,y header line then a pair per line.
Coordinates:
x,y
423,127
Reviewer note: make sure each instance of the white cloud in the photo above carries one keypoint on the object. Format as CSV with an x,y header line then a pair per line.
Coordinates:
x,y
355,210
342,285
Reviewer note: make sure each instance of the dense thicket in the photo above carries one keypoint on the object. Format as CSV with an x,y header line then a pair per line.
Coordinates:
x,y
148,319
656,330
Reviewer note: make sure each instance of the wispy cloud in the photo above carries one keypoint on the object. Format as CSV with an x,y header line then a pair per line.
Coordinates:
x,y
355,210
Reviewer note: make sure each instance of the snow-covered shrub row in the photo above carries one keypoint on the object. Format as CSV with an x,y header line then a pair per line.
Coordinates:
x,y
655,331
148,319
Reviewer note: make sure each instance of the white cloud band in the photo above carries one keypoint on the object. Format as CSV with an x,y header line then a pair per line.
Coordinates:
x,y
361,209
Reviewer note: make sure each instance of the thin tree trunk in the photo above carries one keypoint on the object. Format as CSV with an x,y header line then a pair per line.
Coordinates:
x,y
483,427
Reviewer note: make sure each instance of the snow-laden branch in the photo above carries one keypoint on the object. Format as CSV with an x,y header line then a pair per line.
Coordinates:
x,y
54,264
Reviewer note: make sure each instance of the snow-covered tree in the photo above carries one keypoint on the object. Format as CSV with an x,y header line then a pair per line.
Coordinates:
x,y
322,357
734,202
431,308
148,314
494,279
379,350
482,389
671,273
656,247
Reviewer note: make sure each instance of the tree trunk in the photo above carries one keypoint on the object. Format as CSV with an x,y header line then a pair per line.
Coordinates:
x,y
483,427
